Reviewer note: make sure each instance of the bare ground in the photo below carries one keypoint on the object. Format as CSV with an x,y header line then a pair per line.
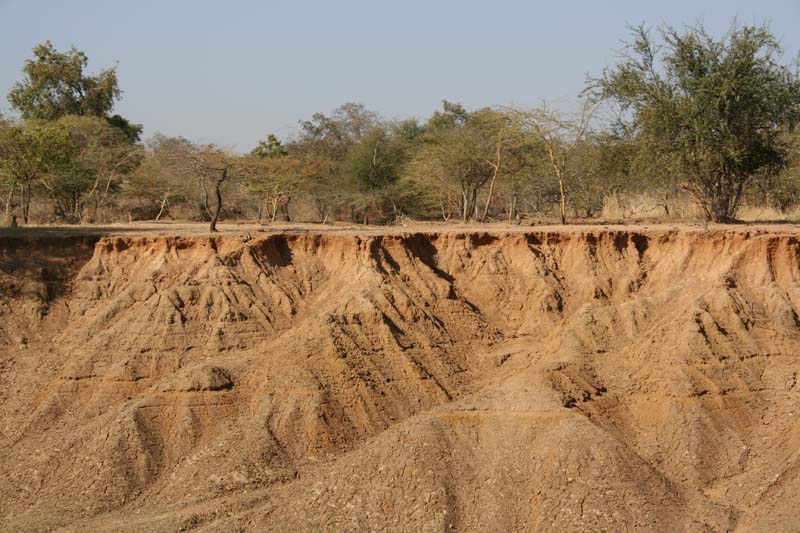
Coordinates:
x,y
155,377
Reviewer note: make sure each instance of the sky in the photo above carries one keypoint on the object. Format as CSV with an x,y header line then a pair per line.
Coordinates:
x,y
232,71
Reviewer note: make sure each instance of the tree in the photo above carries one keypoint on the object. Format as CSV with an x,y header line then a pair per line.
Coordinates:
x,y
278,176
160,182
780,190
719,107
132,131
327,139
5,180
211,166
560,134
55,85
333,135
373,166
461,153
450,166
278,180
505,146
29,152
271,148
103,156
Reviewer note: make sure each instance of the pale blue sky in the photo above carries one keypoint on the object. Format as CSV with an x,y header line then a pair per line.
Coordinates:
x,y
233,71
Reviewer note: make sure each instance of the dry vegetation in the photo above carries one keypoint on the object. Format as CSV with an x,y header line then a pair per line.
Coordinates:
x,y
685,126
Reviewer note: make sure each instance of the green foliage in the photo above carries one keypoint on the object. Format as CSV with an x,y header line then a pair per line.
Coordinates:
x,y
374,162
103,157
563,139
373,167
161,182
327,139
55,85
714,116
32,149
132,131
279,179
779,190
271,148
718,107
452,115
461,152
408,130
29,152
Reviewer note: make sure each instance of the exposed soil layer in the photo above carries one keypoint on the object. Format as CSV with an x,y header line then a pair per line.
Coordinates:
x,y
542,379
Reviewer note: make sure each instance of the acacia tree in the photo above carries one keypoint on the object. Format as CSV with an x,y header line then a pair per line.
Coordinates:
x,y
278,176
212,167
160,182
505,147
460,154
372,168
274,176
29,152
326,140
454,159
719,107
561,134
103,156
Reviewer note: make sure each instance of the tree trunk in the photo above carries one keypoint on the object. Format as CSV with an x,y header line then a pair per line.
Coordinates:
x,y
9,198
496,171
511,207
26,202
473,203
285,208
161,210
563,194
265,214
723,198
274,214
449,207
445,214
491,192
204,197
218,207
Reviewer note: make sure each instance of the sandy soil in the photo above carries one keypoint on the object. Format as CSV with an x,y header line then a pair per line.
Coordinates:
x,y
432,377
171,228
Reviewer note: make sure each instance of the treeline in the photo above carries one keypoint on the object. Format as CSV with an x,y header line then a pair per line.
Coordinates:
x,y
682,115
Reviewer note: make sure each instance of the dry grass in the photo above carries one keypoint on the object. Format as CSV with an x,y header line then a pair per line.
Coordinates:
x,y
650,206
768,214
681,207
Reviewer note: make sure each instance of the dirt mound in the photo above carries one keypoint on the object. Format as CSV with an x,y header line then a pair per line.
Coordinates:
x,y
590,379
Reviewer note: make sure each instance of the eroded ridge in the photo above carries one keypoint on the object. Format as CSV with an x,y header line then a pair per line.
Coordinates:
x,y
599,378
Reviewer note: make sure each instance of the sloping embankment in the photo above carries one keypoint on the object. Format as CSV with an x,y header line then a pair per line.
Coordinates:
x,y
589,379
